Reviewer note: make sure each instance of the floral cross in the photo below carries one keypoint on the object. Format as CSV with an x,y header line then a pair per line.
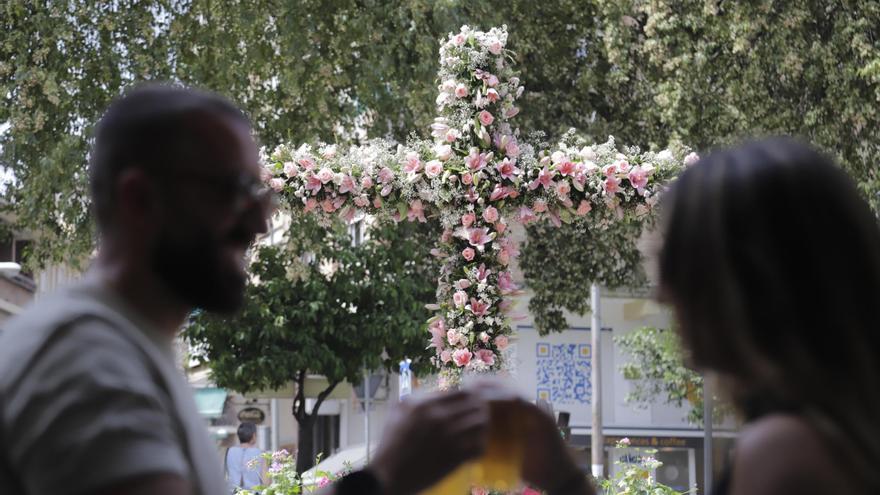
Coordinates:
x,y
477,175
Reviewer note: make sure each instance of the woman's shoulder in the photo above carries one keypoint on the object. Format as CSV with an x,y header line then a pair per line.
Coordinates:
x,y
784,453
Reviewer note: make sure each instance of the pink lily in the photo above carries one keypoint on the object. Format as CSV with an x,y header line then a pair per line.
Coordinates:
x,y
478,308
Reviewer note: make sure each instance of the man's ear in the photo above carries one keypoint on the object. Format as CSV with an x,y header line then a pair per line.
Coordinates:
x,y
137,199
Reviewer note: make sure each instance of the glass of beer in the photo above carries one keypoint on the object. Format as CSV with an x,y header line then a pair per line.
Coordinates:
x,y
500,466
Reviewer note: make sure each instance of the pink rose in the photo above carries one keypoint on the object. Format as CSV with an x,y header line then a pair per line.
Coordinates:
x,y
347,184
445,356
486,118
492,81
490,214
386,190
290,169
386,175
460,298
622,166
495,47
323,481
511,112
468,254
612,185
584,207
461,91
484,337
486,356
462,284
500,227
277,184
362,201
467,179
377,203
462,357
433,168
563,188
468,219
328,206
313,184
446,236
307,163
458,39
311,204
501,342
451,135
366,182
453,337
609,170
540,206
325,175
512,149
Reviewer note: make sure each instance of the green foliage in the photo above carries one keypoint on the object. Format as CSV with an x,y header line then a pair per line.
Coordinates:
x,y
718,71
284,479
699,72
319,305
636,476
327,316
656,367
560,264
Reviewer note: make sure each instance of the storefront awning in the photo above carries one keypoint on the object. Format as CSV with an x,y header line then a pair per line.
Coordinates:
x,y
210,401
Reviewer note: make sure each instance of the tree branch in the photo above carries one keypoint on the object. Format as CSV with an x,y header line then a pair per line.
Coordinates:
x,y
322,396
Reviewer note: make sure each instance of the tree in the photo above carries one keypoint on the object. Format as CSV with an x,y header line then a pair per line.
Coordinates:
x,y
329,312
700,72
657,369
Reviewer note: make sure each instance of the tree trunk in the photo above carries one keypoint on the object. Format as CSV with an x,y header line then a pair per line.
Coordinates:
x,y
305,457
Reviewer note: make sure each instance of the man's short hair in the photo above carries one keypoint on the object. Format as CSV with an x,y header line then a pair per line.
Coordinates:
x,y
147,127
246,432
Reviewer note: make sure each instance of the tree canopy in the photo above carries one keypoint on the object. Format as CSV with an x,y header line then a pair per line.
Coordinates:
x,y
699,72
320,305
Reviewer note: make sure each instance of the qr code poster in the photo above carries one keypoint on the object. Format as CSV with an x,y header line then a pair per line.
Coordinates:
x,y
563,373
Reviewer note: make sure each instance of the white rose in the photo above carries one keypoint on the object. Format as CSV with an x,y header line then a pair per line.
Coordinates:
x,y
443,151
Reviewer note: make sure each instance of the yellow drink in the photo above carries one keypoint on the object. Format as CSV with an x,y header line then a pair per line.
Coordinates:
x,y
500,466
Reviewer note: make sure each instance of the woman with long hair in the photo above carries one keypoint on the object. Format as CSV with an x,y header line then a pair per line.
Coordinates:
x,y
771,262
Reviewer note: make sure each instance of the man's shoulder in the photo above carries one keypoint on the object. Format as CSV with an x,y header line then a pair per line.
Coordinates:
x,y
61,329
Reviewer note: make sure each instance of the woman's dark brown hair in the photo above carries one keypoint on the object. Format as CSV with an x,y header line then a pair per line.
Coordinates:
x,y
771,260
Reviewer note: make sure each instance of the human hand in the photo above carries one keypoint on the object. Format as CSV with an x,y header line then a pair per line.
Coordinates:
x,y
427,437
546,461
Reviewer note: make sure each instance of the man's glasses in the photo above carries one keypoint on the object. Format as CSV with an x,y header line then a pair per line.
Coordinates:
x,y
246,191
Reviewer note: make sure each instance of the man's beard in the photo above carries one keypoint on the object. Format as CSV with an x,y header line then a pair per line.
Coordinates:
x,y
193,269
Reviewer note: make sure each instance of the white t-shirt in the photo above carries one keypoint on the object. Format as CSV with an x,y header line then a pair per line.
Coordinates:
x,y
90,396
239,473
